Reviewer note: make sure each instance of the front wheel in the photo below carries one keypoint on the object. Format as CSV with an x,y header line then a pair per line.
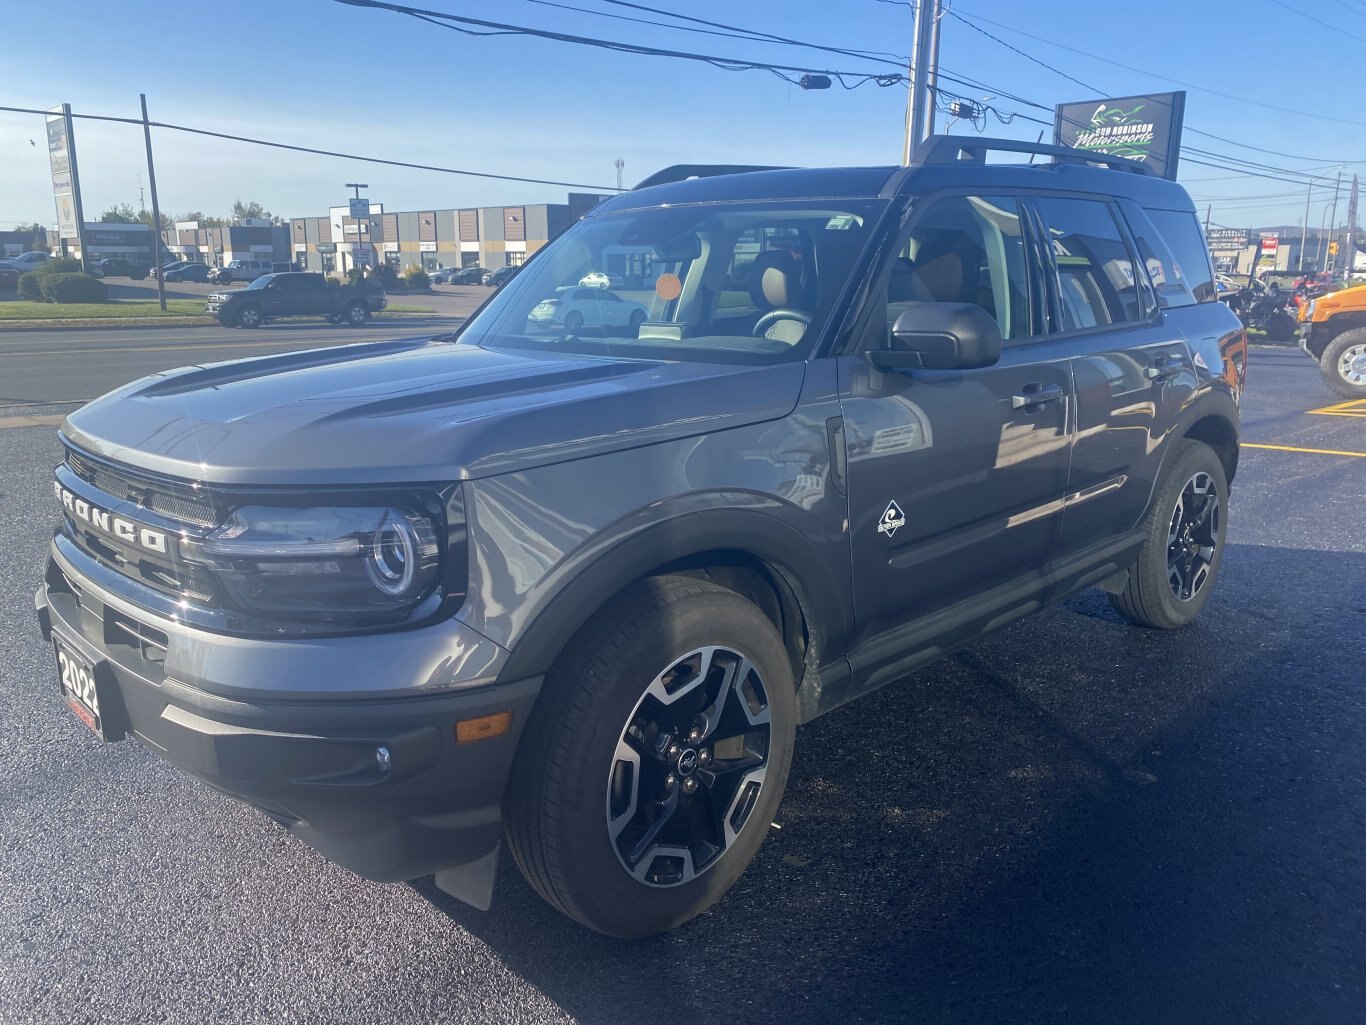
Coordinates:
x,y
655,759
1183,542
249,317
356,314
1344,364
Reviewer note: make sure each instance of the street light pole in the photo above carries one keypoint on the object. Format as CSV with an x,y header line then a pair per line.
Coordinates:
x,y
357,186
923,73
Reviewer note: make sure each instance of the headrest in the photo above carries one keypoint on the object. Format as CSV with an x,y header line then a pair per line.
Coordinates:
x,y
775,280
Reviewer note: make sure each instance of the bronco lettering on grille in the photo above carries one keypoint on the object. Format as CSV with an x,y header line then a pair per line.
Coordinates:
x,y
103,520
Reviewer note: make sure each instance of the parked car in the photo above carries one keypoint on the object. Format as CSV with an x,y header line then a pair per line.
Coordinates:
x,y
189,272
502,275
295,294
576,590
26,262
573,307
164,269
470,276
118,267
595,279
442,275
241,270
1332,330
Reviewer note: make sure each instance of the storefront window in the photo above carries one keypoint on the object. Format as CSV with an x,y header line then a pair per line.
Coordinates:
x,y
516,259
393,260
429,261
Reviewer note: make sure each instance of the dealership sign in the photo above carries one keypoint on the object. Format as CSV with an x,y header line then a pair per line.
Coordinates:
x,y
1228,240
66,187
1146,129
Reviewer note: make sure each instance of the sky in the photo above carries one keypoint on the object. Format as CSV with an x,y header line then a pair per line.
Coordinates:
x,y
322,74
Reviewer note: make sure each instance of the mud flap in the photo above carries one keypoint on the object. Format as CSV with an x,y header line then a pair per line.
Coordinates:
x,y
472,883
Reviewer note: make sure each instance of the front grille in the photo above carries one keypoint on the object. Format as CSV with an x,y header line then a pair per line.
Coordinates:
x,y
181,511
176,501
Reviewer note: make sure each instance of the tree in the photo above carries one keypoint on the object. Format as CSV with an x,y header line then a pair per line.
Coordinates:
x,y
249,212
38,231
205,220
121,213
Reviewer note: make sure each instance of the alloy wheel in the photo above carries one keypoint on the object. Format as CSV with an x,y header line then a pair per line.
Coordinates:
x,y
1352,365
689,767
1193,536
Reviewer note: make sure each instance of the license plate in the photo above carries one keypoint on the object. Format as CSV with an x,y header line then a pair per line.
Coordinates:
x,y
83,690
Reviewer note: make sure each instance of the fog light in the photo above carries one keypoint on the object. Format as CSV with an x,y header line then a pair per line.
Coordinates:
x,y
482,728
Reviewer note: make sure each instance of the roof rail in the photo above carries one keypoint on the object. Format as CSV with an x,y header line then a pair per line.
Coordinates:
x,y
952,149
681,172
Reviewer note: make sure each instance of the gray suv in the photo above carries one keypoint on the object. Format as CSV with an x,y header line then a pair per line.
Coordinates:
x,y
575,585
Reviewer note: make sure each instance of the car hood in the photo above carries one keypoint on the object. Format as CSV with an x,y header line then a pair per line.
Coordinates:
x,y
415,410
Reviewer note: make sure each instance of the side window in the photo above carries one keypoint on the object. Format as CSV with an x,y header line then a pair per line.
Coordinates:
x,y
1170,286
965,249
1097,282
1184,238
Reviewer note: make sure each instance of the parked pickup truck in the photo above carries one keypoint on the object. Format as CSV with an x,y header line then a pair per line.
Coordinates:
x,y
295,295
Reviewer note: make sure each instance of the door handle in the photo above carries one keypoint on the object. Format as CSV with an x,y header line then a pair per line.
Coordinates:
x,y
1164,367
1036,395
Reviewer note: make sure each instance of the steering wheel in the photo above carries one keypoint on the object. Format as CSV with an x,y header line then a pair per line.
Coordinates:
x,y
782,313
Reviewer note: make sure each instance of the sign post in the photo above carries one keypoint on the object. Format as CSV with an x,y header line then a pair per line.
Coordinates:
x,y
1146,129
66,180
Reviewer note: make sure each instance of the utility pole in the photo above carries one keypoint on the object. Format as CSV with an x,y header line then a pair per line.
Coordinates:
x,y
1304,227
156,209
1209,212
1350,254
923,73
1330,263
621,175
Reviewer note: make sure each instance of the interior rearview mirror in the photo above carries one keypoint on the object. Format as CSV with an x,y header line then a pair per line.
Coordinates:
x,y
941,336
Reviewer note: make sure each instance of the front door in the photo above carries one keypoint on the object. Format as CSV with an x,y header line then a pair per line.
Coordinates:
x,y
955,478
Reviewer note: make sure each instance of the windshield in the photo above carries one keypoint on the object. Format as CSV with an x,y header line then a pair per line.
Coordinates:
x,y
262,281
751,282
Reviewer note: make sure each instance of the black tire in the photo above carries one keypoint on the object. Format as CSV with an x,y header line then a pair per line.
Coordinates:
x,y
356,314
573,320
249,317
1343,364
1151,597
637,318
558,808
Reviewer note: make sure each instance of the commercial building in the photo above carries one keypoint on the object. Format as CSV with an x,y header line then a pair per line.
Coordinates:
x,y
13,243
489,237
250,240
132,242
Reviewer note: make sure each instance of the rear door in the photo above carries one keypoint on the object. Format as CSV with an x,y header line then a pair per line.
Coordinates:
x,y
955,478
1128,362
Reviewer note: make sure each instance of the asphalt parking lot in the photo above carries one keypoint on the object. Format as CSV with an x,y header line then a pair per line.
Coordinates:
x,y
1072,820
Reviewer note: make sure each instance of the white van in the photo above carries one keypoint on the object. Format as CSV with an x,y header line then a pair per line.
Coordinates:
x,y
242,270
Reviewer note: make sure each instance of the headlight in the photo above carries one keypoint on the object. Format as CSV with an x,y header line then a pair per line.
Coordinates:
x,y
1309,310
334,562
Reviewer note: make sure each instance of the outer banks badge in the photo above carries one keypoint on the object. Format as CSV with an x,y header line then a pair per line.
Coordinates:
x,y
892,520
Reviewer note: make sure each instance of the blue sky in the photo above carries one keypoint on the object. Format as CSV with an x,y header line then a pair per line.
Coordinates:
x,y
316,73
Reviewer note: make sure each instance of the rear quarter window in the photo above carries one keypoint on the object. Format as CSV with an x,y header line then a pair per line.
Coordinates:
x,y
1181,231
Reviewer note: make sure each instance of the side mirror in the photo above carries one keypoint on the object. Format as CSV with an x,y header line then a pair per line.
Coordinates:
x,y
941,336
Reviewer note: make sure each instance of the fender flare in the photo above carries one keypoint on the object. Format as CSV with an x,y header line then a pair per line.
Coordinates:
x,y
783,548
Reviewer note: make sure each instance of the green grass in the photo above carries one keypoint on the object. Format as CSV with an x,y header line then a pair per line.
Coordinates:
x,y
401,308
118,309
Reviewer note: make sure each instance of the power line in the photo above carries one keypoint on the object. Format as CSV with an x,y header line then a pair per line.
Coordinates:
x,y
456,23
1015,49
318,152
1168,78
1326,24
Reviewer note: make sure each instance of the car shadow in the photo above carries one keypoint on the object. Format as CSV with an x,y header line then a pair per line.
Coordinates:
x,y
1072,819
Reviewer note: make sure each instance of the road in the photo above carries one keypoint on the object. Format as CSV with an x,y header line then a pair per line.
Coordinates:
x,y
1072,820
78,365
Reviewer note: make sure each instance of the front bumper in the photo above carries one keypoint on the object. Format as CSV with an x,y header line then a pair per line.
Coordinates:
x,y
216,707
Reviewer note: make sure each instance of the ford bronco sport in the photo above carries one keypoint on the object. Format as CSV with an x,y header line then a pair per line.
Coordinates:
x,y
577,585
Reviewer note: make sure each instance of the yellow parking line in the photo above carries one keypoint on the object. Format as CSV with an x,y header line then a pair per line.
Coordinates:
x,y
1310,451
1353,407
